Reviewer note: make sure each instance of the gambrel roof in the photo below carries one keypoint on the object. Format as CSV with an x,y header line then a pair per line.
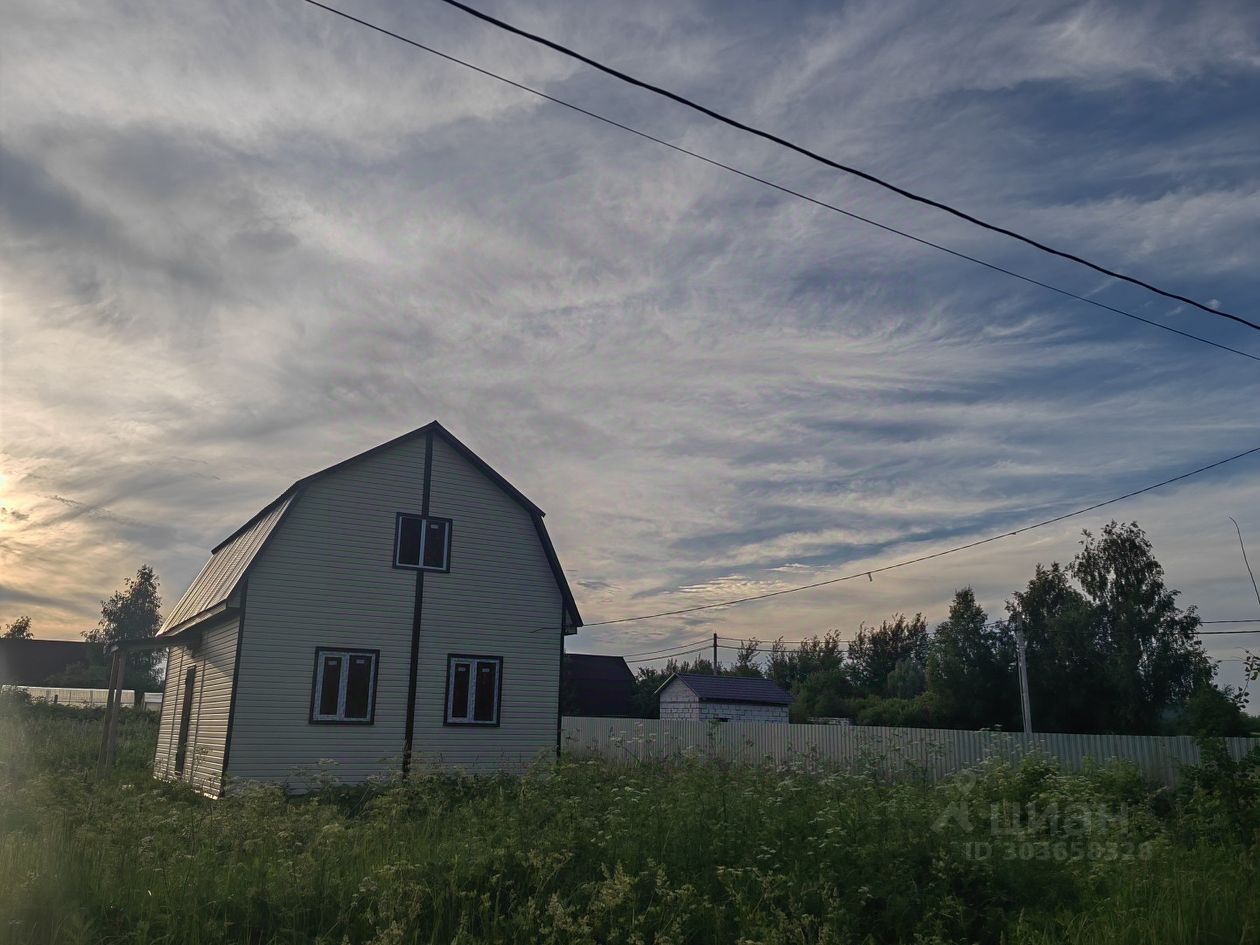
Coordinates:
x,y
211,592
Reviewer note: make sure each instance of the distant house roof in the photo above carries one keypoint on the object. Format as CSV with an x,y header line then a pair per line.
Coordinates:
x,y
597,685
212,589
731,688
33,662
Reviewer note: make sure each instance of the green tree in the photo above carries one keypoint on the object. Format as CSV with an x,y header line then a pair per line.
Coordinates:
x,y
1155,660
20,629
746,660
875,653
1213,711
1117,655
971,671
133,613
824,693
790,667
1065,657
907,679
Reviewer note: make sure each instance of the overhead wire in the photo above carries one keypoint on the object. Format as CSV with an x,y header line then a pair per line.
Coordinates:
x,y
781,188
836,165
927,557
851,215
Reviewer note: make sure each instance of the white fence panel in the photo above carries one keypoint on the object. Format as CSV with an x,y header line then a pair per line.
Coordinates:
x,y
64,695
929,753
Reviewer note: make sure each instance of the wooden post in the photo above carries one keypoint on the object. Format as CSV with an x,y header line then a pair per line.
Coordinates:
x,y
715,669
111,723
102,759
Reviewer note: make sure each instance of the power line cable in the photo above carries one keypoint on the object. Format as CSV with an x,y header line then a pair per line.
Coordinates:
x,y
1246,620
1243,548
846,645
812,155
928,557
666,650
782,189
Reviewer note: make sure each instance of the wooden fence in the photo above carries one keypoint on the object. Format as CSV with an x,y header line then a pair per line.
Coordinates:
x,y
923,752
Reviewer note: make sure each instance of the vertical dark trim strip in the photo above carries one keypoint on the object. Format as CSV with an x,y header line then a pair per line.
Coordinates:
x,y
409,727
236,676
560,682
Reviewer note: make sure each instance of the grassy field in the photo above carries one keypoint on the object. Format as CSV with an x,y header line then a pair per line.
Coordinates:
x,y
689,852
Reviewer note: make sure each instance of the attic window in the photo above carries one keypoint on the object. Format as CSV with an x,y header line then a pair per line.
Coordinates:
x,y
423,543
473,689
344,687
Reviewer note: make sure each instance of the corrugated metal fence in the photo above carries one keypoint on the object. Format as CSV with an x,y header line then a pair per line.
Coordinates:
x,y
924,752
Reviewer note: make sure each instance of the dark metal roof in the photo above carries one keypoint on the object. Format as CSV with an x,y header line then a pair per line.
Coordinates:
x,y
731,688
33,662
597,685
596,668
227,566
212,588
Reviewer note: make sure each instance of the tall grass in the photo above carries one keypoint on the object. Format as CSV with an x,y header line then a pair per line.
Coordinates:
x,y
690,851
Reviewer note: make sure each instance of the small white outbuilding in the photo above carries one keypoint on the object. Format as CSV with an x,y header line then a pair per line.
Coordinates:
x,y
700,697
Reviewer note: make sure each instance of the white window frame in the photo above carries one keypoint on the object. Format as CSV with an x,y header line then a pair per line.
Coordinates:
x,y
322,653
424,521
458,659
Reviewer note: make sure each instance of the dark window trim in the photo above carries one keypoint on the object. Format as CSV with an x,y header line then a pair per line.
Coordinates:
x,y
498,695
425,518
345,651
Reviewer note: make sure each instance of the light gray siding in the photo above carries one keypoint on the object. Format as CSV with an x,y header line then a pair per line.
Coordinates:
x,y
213,657
326,579
499,599
164,759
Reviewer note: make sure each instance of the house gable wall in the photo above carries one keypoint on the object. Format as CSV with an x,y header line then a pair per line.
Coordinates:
x,y
679,702
326,579
501,599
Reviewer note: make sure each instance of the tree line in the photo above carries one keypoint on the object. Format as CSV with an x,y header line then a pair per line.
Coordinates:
x,y
1108,651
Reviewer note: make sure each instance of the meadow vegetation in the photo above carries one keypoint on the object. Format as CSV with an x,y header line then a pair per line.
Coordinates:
x,y
688,851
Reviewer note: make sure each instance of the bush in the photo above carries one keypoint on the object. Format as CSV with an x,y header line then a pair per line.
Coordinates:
x,y
583,851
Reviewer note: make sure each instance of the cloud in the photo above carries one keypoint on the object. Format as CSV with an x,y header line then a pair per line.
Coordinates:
x,y
243,242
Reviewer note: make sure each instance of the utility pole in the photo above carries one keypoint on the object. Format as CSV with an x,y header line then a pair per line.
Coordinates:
x,y
715,672
1025,711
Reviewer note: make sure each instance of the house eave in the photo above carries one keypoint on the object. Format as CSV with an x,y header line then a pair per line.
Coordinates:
x,y
222,609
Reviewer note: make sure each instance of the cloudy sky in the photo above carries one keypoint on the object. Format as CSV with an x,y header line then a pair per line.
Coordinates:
x,y
242,241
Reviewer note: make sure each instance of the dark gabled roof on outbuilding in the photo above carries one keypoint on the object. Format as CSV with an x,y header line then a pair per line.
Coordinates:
x,y
210,591
599,668
595,685
30,662
731,688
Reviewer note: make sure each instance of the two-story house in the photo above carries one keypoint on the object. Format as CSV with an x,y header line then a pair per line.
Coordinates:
x,y
401,610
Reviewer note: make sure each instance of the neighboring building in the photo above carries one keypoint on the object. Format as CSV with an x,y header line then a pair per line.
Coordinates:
x,y
597,686
702,697
35,662
401,609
